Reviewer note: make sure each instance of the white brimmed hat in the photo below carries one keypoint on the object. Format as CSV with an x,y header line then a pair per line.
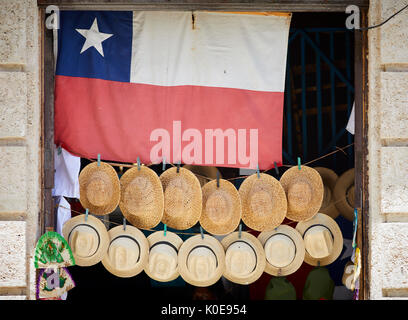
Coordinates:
x,y
244,258
201,261
284,250
163,256
128,252
323,239
88,239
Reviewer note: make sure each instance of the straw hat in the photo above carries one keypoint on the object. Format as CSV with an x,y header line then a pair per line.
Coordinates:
x,y
182,198
284,250
89,240
264,203
128,252
203,171
348,275
323,239
221,207
99,188
304,190
163,256
344,194
201,262
244,258
142,200
329,178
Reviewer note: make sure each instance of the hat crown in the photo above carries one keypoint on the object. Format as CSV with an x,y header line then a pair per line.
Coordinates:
x,y
299,196
175,200
202,263
99,189
84,241
318,242
240,259
138,195
218,207
124,253
162,261
280,250
327,196
260,200
350,196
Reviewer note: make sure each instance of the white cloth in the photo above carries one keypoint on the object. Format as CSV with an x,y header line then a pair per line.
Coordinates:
x,y
351,124
66,182
63,213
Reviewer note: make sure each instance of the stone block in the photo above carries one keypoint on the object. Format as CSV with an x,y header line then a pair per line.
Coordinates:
x,y
12,32
13,298
13,175
12,254
13,105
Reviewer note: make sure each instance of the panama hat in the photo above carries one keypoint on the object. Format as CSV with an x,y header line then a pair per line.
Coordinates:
x,y
264,203
203,171
344,194
128,252
142,200
244,258
323,239
182,198
163,256
201,260
99,188
329,178
88,239
284,250
348,275
221,207
304,190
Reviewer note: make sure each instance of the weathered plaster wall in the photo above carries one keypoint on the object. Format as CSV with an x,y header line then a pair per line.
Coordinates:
x,y
388,150
20,119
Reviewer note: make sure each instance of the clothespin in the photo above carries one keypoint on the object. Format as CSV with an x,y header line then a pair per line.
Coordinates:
x,y
99,159
355,228
257,171
218,179
202,232
138,163
240,231
165,229
124,223
299,163
59,150
178,166
276,168
164,163
86,214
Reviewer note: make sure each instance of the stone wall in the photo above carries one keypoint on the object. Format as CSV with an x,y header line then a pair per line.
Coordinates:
x,y
20,151
388,150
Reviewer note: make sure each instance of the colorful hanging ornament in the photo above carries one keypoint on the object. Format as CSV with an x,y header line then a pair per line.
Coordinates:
x,y
53,283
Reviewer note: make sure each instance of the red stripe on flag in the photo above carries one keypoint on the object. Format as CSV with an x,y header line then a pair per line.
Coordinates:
x,y
116,119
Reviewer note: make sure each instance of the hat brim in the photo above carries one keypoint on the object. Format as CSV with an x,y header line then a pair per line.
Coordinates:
x,y
277,213
315,182
256,245
100,229
296,263
143,244
147,219
345,182
174,240
188,246
114,180
329,178
232,223
192,216
328,222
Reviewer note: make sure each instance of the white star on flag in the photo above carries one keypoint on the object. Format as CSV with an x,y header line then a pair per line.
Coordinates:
x,y
93,37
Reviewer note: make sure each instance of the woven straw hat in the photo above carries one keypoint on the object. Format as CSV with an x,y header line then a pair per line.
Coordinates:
x,y
221,207
203,171
329,178
99,188
323,239
163,256
284,250
142,200
182,198
201,262
264,203
128,252
344,194
244,258
89,240
304,191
